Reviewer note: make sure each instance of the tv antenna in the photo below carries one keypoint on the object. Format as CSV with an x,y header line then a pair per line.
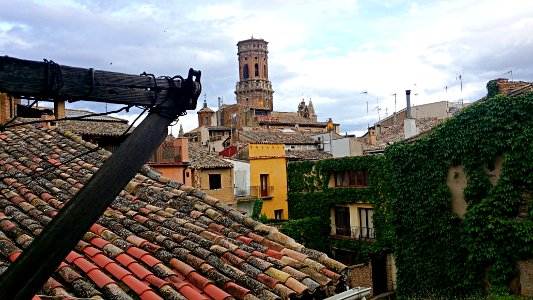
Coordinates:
x,y
394,114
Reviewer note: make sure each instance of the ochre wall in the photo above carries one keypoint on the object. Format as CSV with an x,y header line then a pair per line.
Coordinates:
x,y
174,173
270,159
226,179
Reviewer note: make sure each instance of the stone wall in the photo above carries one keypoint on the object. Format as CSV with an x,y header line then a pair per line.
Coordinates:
x,y
525,268
361,275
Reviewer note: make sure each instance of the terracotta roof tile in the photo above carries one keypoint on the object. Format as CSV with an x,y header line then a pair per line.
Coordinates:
x,y
201,159
158,239
117,271
276,136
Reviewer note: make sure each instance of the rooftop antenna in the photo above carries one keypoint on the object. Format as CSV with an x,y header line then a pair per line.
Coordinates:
x,y
509,72
378,109
366,93
460,78
394,114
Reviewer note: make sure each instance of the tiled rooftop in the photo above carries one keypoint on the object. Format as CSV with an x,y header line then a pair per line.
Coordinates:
x,y
288,118
278,137
92,125
97,126
201,159
307,155
158,239
395,133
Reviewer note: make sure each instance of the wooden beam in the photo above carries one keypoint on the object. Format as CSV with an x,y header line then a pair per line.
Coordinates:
x,y
25,79
39,261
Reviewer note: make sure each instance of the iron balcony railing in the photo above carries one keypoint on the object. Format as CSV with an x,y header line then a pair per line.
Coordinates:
x,y
355,232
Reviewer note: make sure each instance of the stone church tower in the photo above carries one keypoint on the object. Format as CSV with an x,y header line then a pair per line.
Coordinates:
x,y
254,90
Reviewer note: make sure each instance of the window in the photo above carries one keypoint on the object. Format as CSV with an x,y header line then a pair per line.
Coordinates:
x,y
278,213
343,256
214,181
256,70
245,72
354,178
366,224
342,220
264,184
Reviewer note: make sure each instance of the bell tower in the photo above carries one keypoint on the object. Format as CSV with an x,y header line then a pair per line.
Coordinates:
x,y
205,116
254,90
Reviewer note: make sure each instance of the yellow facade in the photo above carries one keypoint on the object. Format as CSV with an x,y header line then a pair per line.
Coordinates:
x,y
224,192
268,175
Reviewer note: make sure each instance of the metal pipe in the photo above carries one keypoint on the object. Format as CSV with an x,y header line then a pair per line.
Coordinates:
x,y
351,294
408,97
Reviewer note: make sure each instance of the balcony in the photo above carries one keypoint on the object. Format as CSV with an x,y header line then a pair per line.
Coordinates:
x,y
355,232
254,192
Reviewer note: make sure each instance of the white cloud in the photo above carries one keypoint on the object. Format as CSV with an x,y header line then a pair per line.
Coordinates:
x,y
327,51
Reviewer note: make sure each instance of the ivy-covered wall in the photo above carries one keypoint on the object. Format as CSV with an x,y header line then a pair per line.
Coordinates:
x,y
438,253
310,199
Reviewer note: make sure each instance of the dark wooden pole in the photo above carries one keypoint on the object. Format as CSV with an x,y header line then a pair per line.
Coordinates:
x,y
30,271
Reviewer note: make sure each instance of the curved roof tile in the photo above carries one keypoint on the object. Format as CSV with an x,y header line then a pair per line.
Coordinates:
x,y
159,239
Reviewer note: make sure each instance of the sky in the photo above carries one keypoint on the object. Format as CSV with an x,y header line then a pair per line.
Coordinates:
x,y
349,57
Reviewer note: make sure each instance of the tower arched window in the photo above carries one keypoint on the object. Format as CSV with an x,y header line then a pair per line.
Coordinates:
x,y
245,72
256,69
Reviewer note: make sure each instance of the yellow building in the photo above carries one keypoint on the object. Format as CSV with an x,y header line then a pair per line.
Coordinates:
x,y
268,178
212,174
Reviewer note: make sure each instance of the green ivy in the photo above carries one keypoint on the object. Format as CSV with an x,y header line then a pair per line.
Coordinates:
x,y
435,249
256,210
310,197
311,232
437,253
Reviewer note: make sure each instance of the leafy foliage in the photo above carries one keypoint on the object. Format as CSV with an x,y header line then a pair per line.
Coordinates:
x,y
310,198
437,253
311,232
256,210
435,249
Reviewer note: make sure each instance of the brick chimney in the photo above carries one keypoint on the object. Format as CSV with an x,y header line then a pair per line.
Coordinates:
x,y
47,120
181,144
372,139
59,109
7,108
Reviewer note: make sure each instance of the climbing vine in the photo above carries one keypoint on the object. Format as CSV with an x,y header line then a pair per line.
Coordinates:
x,y
310,198
435,249
438,252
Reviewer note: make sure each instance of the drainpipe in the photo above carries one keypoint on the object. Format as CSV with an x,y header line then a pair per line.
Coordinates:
x,y
352,294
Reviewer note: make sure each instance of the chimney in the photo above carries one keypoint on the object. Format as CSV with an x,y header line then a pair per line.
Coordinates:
x,y
181,144
409,124
47,120
372,139
408,109
59,109
7,108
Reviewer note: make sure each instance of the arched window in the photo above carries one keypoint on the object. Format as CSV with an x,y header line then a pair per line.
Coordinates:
x,y
246,72
256,69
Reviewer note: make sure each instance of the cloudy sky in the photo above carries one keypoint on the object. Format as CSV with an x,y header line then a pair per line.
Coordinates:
x,y
327,51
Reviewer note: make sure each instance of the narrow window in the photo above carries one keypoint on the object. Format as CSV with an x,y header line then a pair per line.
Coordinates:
x,y
342,220
214,181
366,224
256,70
264,185
246,72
